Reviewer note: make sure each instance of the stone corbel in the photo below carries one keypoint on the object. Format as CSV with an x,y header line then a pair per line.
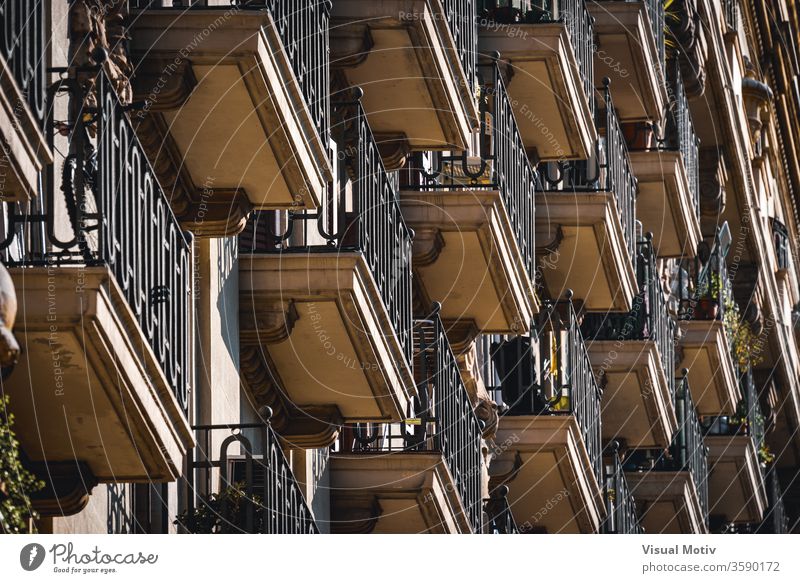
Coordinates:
x,y
263,322
68,486
202,209
355,514
9,348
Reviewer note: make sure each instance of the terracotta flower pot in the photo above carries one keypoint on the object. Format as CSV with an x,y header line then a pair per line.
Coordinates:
x,y
638,135
707,309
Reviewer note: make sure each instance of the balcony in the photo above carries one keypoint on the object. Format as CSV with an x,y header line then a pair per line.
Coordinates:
x,y
553,462
239,481
621,515
237,119
780,240
473,218
106,274
586,221
667,168
635,354
736,452
630,47
24,151
705,294
671,486
548,58
415,60
420,476
776,520
325,300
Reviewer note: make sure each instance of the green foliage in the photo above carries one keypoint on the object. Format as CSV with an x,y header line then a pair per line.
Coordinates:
x,y
16,483
223,513
743,341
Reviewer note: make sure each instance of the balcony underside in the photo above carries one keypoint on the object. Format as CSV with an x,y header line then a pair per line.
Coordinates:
x,y
551,483
89,388
233,113
667,502
550,103
466,257
397,493
664,204
23,149
628,56
637,404
416,93
317,337
586,250
735,486
711,373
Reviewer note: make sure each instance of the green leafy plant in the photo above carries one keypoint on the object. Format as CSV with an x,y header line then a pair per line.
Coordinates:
x,y
223,513
765,454
16,483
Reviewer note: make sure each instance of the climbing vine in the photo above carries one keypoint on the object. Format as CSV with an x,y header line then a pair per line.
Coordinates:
x,y
16,483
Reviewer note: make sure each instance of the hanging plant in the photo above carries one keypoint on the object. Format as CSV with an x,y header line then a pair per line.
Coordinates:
x,y
16,483
765,454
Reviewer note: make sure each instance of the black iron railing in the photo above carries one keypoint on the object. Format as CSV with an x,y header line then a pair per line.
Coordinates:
x,y
679,134
776,521
572,13
747,419
687,452
239,481
655,12
501,520
502,165
703,286
120,218
462,20
361,213
730,9
441,420
649,319
780,238
22,44
608,170
564,384
621,515
303,29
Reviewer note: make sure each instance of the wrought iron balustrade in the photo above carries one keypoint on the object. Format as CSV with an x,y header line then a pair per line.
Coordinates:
x,y
361,214
776,520
730,9
239,481
608,170
303,29
22,41
501,520
621,515
463,22
502,165
687,452
649,319
678,133
560,381
119,217
748,418
572,13
442,419
780,238
656,14
702,285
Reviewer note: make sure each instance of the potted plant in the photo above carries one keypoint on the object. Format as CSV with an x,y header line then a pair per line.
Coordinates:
x,y
223,513
639,135
707,307
765,454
